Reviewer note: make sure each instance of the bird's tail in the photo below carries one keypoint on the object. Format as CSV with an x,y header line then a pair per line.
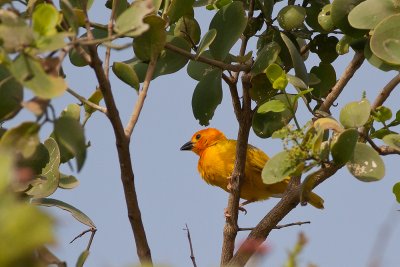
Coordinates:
x,y
315,200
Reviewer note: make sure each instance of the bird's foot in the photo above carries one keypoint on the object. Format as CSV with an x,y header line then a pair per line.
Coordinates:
x,y
228,215
242,209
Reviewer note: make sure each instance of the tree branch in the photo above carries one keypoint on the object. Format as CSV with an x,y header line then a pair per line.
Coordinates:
x,y
212,62
384,94
287,203
122,144
140,101
244,116
337,89
87,102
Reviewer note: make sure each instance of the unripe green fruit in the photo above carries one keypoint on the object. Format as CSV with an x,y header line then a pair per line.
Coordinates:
x,y
291,17
324,18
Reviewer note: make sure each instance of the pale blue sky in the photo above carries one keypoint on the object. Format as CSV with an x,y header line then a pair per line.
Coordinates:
x,y
171,192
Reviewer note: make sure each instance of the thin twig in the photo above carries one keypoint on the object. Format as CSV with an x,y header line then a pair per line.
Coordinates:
x,y
110,32
384,94
81,234
94,230
337,89
191,246
140,101
87,102
212,62
278,226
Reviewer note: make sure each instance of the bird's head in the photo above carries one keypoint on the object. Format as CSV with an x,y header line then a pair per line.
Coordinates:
x,y
203,139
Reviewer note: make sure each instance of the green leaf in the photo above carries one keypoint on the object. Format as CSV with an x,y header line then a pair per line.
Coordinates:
x,y
206,41
229,22
69,133
67,181
381,133
74,56
82,258
52,42
95,98
396,191
45,19
298,63
266,7
22,139
168,62
385,41
37,161
11,95
126,74
72,111
69,15
264,125
273,106
343,148
355,114
339,12
327,75
130,22
23,229
369,13
328,124
261,89
366,164
50,176
274,72
278,168
14,33
376,61
265,57
392,140
7,170
207,96
280,83
296,82
82,4
382,114
31,74
148,45
178,8
197,69
79,215
188,28
325,47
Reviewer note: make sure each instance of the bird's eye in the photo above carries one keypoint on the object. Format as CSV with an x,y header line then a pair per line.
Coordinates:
x,y
198,137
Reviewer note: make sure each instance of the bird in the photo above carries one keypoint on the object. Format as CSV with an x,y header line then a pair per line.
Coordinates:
x,y
216,162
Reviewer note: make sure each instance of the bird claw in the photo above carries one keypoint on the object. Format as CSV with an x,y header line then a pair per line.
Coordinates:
x,y
228,215
242,209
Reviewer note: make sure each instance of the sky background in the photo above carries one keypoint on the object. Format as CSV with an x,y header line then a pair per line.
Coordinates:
x,y
171,192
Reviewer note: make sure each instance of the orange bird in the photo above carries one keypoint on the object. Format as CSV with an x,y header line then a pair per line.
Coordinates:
x,y
217,159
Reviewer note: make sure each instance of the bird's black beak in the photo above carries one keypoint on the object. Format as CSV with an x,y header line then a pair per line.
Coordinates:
x,y
187,146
